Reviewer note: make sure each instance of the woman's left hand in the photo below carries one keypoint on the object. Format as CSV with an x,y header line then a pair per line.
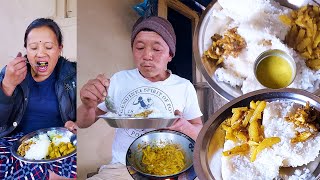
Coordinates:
x,y
71,126
188,127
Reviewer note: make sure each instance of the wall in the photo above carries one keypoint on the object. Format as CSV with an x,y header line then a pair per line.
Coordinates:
x,y
104,29
16,15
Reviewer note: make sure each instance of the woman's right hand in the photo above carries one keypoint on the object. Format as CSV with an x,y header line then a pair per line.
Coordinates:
x,y
16,72
94,91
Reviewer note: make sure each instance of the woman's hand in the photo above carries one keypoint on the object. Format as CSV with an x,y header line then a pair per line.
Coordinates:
x,y
16,72
188,127
71,126
94,91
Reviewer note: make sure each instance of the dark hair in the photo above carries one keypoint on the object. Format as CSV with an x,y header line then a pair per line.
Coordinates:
x,y
44,22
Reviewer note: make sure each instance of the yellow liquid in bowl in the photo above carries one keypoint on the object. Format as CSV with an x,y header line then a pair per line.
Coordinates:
x,y
274,72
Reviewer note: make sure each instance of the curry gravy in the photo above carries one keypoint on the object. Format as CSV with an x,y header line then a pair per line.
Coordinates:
x,y
274,72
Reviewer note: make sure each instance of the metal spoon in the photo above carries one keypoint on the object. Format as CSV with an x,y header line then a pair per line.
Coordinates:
x,y
110,104
31,64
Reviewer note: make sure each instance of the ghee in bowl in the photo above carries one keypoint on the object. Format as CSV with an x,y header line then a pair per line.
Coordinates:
x,y
275,69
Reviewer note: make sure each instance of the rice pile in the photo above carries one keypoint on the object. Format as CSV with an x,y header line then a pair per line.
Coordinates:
x,y
282,154
258,20
39,150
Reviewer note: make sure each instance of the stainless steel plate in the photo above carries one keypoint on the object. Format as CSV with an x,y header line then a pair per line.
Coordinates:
x,y
61,130
139,123
160,138
201,42
209,141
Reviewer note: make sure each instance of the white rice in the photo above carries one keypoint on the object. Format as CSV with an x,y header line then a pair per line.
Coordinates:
x,y
258,20
293,154
39,150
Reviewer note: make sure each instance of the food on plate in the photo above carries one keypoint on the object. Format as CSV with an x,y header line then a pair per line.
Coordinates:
x,y
229,45
262,138
304,34
163,160
259,27
48,145
144,113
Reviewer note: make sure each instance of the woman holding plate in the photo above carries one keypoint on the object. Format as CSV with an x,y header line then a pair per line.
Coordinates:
x,y
37,91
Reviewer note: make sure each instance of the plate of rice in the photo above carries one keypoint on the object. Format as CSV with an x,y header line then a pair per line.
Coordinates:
x,y
265,134
230,36
142,119
45,145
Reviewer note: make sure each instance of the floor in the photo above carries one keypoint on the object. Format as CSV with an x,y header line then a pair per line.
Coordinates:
x,y
94,148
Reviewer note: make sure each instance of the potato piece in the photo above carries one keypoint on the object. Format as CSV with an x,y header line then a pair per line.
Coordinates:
x,y
63,148
239,109
316,41
242,149
257,112
254,131
300,36
301,137
304,43
69,145
247,118
253,105
241,136
235,116
285,20
314,64
268,142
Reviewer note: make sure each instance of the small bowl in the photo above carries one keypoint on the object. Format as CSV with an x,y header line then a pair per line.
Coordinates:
x,y
275,73
159,137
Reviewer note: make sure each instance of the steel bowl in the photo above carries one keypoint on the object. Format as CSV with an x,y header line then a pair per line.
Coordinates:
x,y
159,138
61,130
279,53
211,139
138,122
202,40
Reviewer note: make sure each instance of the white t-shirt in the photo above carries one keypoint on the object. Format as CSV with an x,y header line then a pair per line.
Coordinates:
x,y
131,93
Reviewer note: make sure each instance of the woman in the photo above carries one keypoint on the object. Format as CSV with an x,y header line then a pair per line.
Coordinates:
x,y
37,91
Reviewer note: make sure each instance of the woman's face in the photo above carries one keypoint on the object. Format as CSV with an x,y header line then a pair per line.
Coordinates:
x,y
42,50
151,55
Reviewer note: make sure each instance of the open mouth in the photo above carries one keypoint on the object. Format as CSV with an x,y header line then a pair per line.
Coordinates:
x,y
42,66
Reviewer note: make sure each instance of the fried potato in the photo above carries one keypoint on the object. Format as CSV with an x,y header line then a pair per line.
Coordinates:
x,y
230,44
268,142
254,130
301,137
257,112
242,149
304,35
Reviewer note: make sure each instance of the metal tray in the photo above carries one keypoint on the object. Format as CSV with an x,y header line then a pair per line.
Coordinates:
x,y
139,123
62,130
209,142
201,42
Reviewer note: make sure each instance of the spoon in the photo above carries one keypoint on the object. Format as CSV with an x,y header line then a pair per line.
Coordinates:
x,y
110,104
